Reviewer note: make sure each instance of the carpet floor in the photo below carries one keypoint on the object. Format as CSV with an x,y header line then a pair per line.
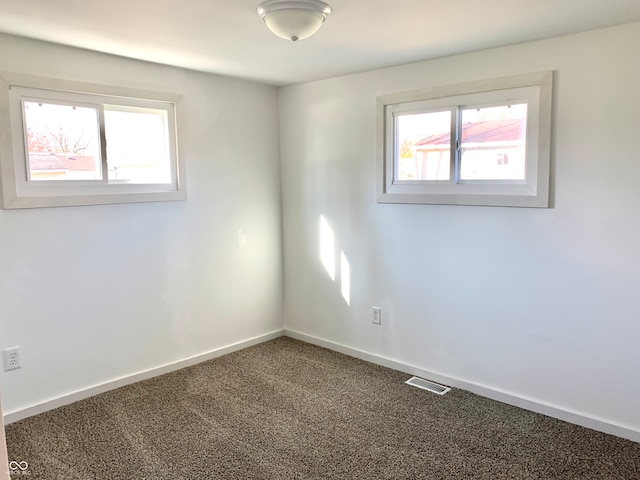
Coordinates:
x,y
289,410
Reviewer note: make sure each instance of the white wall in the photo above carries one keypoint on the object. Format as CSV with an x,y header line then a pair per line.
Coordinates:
x,y
99,292
536,304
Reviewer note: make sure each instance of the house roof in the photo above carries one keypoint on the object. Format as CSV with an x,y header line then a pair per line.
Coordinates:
x,y
481,132
45,162
61,161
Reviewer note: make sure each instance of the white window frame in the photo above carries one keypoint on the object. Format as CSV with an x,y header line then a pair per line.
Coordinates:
x,y
19,192
534,88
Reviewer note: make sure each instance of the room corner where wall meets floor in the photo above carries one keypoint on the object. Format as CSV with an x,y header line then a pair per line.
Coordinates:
x,y
533,405
520,300
288,409
512,303
51,404
103,292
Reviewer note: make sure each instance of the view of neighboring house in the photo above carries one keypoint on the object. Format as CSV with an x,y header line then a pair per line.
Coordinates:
x,y
490,149
63,166
68,166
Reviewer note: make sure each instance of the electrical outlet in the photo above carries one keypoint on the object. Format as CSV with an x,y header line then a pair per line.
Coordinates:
x,y
376,315
11,358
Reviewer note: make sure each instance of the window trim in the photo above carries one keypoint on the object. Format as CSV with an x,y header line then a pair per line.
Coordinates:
x,y
17,192
533,193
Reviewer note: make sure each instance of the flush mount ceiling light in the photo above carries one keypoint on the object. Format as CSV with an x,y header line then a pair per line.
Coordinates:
x,y
294,20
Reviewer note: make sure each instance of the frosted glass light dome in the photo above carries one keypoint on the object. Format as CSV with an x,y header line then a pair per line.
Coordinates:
x,y
294,20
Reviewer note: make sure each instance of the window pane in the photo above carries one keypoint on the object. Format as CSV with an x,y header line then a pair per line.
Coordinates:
x,y
137,145
62,142
423,146
493,143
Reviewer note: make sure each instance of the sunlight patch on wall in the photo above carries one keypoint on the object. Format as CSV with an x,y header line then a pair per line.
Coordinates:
x,y
327,248
345,278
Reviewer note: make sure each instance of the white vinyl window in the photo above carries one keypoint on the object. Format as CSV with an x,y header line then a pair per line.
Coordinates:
x,y
480,143
88,145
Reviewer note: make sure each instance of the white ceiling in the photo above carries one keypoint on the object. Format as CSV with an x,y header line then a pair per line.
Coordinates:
x,y
228,37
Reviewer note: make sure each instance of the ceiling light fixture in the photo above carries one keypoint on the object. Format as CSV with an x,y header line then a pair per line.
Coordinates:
x,y
294,20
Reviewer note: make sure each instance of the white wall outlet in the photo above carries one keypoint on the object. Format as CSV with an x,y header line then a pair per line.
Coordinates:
x,y
376,315
11,358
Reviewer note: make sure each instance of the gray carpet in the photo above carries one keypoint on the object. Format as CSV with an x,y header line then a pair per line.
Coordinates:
x,y
289,410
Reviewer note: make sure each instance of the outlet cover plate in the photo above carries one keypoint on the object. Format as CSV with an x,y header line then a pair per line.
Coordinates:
x,y
376,315
11,358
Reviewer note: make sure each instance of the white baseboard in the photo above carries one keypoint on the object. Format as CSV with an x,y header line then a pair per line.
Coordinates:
x,y
72,397
501,396
554,411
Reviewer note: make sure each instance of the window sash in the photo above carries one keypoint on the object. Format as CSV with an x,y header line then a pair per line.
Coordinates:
x,y
26,97
533,89
394,137
99,103
168,134
508,97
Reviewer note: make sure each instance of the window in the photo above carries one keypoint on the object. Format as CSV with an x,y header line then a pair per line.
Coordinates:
x,y
479,143
80,144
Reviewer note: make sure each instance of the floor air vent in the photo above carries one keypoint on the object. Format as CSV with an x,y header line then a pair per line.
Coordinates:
x,y
427,385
